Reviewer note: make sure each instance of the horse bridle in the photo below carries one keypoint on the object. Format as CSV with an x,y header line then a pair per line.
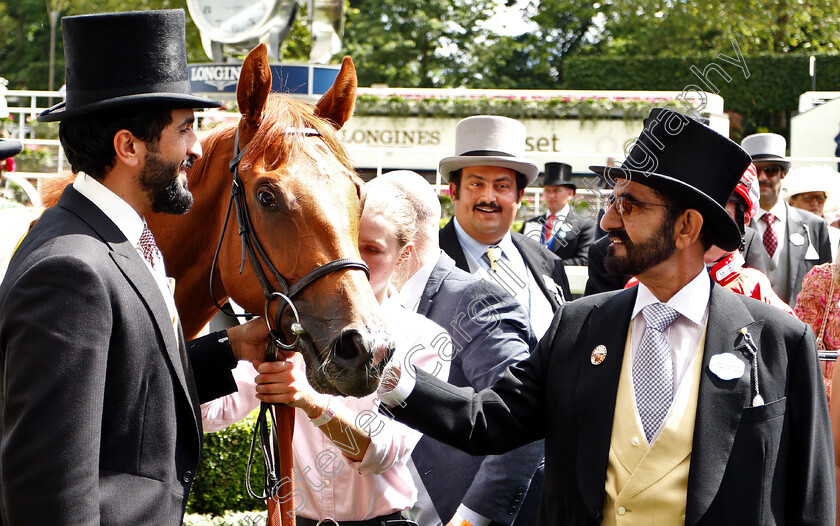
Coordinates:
x,y
257,257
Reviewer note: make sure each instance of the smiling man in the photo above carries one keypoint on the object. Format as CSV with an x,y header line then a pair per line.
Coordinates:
x,y
674,402
487,179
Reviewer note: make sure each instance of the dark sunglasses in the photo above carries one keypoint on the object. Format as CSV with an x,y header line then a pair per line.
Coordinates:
x,y
772,170
625,204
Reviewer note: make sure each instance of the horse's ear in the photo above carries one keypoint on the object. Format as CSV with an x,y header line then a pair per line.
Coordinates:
x,y
337,103
252,90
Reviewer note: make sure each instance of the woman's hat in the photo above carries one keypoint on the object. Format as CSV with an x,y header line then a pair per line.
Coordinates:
x,y
558,174
489,140
690,163
766,148
115,60
9,148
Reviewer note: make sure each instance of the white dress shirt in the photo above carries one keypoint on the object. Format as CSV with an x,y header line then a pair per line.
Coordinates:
x,y
514,276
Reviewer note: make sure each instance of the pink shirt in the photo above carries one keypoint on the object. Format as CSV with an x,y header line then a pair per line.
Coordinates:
x,y
327,483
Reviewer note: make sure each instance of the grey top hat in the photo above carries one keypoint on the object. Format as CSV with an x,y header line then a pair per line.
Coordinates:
x,y
766,148
489,140
9,148
115,60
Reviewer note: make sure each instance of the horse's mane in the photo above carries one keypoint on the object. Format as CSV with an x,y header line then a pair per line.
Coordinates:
x,y
281,115
52,188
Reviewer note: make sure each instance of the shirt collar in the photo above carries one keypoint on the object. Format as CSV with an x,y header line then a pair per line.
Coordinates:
x,y
477,249
563,212
779,210
691,300
412,290
119,211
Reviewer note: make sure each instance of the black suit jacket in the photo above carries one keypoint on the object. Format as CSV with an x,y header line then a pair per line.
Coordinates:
x,y
572,241
541,262
490,331
769,464
100,411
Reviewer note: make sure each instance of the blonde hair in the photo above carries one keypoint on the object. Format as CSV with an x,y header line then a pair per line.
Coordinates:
x,y
390,202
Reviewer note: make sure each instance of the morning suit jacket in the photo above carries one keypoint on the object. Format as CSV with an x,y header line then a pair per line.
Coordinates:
x,y
490,331
765,465
813,229
572,245
602,281
540,261
100,412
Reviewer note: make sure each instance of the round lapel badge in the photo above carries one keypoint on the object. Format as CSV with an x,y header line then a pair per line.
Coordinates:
x,y
599,354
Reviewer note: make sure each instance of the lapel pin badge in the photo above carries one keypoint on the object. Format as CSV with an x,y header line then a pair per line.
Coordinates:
x,y
599,354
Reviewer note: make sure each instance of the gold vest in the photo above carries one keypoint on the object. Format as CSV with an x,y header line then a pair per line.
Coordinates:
x,y
648,484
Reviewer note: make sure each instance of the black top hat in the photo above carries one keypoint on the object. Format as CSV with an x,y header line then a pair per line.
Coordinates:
x,y
9,148
692,164
558,174
115,60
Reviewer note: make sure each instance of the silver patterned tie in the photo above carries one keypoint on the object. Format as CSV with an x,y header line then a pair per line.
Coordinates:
x,y
653,374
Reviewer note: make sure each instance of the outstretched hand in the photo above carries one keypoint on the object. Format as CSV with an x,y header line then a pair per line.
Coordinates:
x,y
249,341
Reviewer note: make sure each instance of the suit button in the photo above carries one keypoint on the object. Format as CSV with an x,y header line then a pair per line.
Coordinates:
x,y
188,476
511,510
622,510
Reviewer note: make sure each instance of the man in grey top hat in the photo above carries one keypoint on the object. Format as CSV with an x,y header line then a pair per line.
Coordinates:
x,y
561,229
99,392
487,179
794,240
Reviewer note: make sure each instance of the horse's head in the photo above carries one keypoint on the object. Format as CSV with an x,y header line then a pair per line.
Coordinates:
x,y
304,201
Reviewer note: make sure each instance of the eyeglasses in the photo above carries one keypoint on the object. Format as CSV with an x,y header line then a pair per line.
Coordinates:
x,y
772,170
625,204
810,198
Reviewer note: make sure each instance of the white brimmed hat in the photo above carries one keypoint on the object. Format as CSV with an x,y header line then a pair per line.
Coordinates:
x,y
810,179
489,140
766,148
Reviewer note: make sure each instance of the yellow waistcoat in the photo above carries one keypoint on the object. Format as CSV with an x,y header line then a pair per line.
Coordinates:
x,y
648,485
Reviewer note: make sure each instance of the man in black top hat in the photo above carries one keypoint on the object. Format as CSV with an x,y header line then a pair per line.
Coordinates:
x,y
674,402
561,229
100,409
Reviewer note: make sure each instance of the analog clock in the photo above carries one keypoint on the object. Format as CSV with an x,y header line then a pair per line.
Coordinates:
x,y
233,21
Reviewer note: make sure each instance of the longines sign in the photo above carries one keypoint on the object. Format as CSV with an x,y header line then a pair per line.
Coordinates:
x,y
419,143
298,79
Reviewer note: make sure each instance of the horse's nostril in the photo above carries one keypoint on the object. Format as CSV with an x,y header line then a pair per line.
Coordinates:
x,y
348,347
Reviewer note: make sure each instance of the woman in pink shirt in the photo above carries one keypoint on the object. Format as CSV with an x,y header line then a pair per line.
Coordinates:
x,y
350,460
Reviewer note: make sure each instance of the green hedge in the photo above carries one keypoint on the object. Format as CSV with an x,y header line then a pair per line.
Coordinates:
x,y
219,485
774,84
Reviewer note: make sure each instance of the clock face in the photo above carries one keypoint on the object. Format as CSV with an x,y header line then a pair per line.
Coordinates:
x,y
231,21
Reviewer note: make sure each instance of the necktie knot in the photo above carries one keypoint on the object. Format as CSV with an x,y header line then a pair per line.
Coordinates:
x,y
150,250
659,316
768,218
494,254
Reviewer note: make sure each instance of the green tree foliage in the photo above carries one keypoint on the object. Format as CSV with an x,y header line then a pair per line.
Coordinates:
x,y
416,44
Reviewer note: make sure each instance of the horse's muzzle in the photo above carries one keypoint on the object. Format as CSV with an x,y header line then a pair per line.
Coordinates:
x,y
362,356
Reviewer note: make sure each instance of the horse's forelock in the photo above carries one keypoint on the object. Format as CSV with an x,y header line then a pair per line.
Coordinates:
x,y
274,145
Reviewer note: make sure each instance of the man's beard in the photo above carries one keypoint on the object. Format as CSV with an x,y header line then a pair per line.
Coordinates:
x,y
159,179
642,256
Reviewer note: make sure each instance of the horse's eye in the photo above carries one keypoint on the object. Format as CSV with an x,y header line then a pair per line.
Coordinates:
x,y
266,198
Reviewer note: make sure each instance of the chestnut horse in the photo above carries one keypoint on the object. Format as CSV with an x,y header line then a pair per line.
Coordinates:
x,y
304,201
